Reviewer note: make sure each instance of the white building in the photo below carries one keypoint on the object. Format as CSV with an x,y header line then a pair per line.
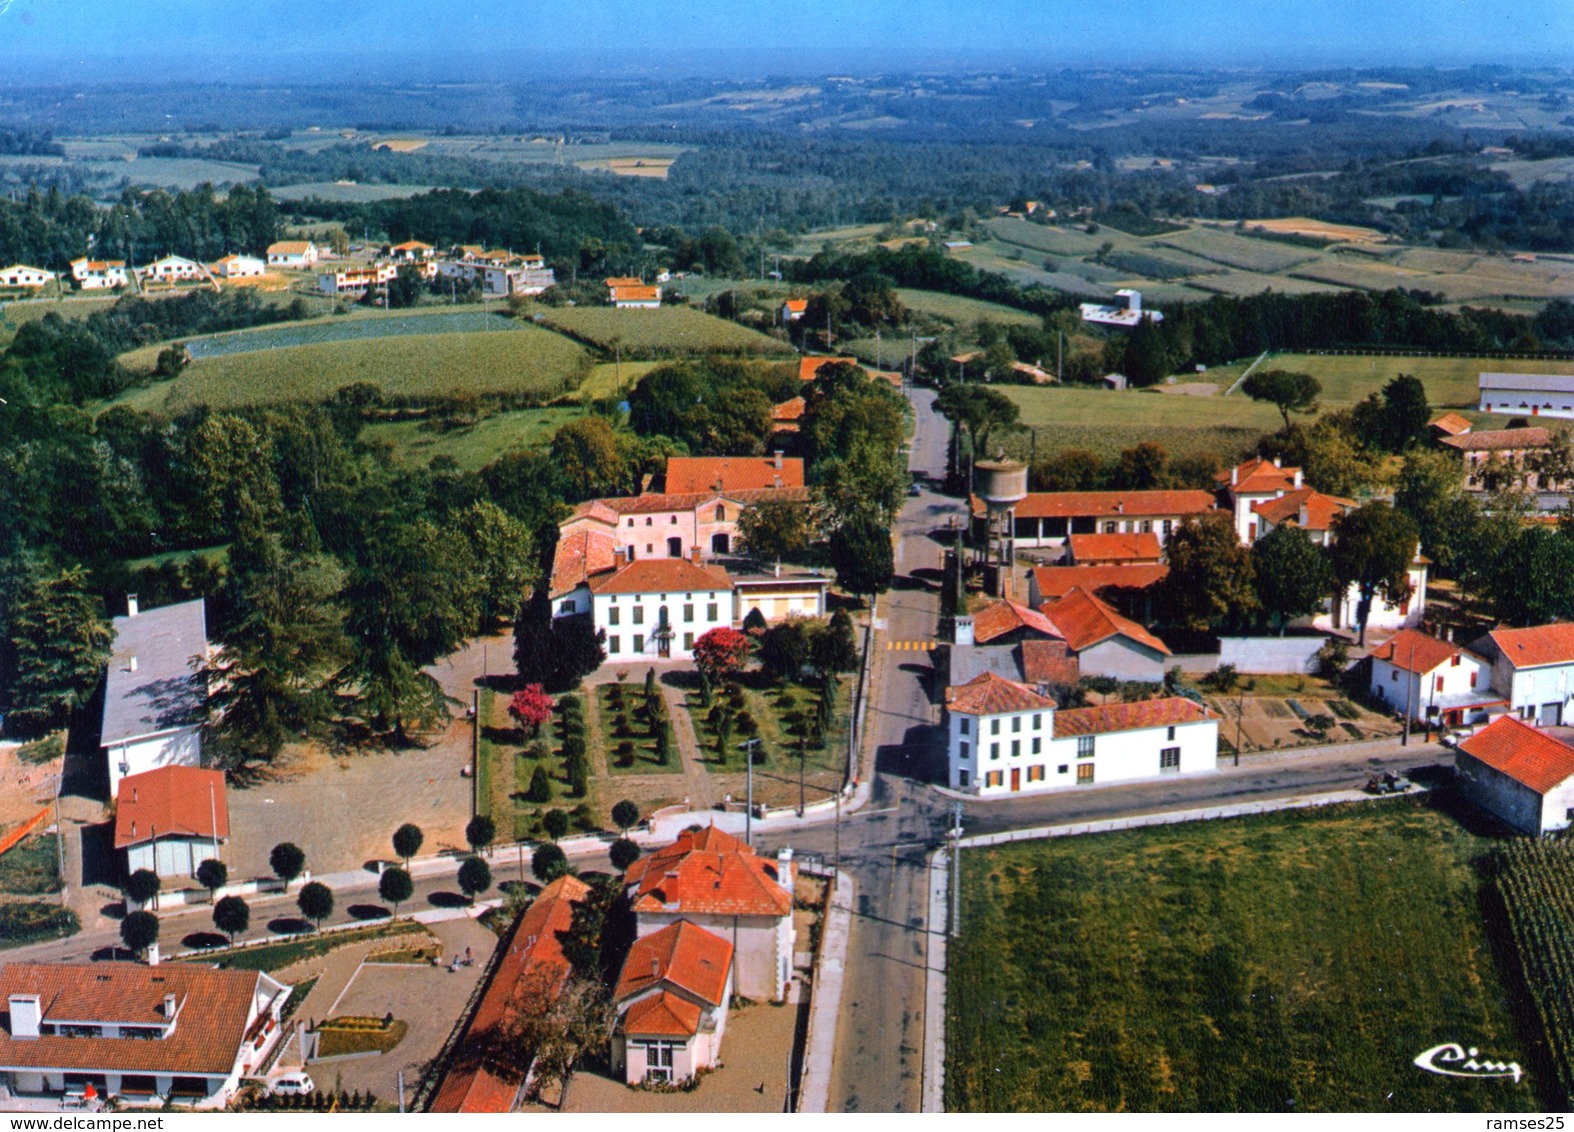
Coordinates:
x,y
1048,518
1519,773
172,269
1006,738
671,1001
713,880
297,254
145,1034
1527,394
1435,681
1127,311
154,703
21,275
355,281
1534,669
1247,485
656,608
238,267
98,274
171,819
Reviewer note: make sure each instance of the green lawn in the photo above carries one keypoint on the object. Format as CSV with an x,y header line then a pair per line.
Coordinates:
x,y
603,709
1346,379
1104,421
473,446
614,379
960,310
663,333
525,362
1298,960
31,868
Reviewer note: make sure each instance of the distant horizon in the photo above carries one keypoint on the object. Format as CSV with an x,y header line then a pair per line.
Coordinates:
x,y
93,41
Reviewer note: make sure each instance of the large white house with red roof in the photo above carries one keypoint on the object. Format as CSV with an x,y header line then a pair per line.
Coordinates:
x,y
1047,518
715,881
656,608
671,1002
1005,737
1256,481
154,702
1533,668
1519,773
173,1031
1434,680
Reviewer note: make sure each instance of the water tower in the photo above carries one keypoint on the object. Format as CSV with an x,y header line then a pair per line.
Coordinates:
x,y
1001,484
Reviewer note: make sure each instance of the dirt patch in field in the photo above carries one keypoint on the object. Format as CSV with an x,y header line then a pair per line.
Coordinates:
x,y
1321,229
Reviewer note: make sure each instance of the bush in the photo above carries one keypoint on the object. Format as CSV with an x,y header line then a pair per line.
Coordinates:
x,y
625,753
746,725
623,853
574,748
26,922
620,725
540,789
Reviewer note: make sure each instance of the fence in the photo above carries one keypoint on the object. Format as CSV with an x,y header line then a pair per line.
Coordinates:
x,y
12,839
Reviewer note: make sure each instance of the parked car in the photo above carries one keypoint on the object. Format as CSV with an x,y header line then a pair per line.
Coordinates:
x,y
293,1084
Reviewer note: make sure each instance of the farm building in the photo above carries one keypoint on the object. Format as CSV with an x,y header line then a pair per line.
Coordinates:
x,y
787,416
499,273
1499,458
1135,548
794,309
1005,737
171,819
1105,642
21,275
1519,773
631,293
296,254
1046,583
675,524
714,881
182,1033
1432,680
238,267
1527,394
154,704
1048,518
808,367
732,473
98,274
780,594
411,251
1128,313
671,1002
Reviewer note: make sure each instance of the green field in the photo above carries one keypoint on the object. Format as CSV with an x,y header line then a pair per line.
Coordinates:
x,y
528,362
963,311
1105,422
1292,961
1449,381
663,333
612,379
475,446
348,194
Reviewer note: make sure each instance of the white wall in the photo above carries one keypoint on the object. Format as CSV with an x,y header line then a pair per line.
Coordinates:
x,y
775,607
177,748
170,856
700,605
1403,690
1529,688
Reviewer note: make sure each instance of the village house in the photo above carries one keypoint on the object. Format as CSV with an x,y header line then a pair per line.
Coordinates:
x,y
1519,773
731,473
1449,424
628,292
580,554
296,254
21,275
715,881
794,309
1527,394
1105,642
1006,623
788,416
674,524
1501,458
98,274
671,1002
1433,681
1140,548
1040,663
656,608
1127,312
1005,738
144,1034
154,703
529,973
498,273
1534,668
1048,518
172,269
356,281
1126,587
1310,510
411,251
1256,481
170,819
808,367
238,267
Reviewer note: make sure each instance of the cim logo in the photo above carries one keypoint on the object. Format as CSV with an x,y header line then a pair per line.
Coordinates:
x,y
1453,1060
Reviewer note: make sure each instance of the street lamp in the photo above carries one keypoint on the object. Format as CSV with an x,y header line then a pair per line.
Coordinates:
x,y
748,747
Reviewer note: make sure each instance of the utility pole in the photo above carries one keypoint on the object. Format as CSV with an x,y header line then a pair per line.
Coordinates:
x,y
748,747
954,835
1410,689
1060,357
475,751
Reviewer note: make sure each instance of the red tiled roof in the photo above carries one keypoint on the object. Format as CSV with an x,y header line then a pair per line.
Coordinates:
x,y
683,954
1002,617
1321,509
410,246
1167,712
1057,581
1499,440
579,555
707,872
797,306
788,410
661,576
1102,504
1453,424
1097,549
1085,620
533,963
1048,662
663,1015
1413,651
1530,648
289,247
171,801
1522,752
212,1009
808,367
731,473
991,694
632,294
624,281
1257,477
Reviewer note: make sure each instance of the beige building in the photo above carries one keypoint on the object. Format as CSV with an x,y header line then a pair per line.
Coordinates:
x,y
671,1002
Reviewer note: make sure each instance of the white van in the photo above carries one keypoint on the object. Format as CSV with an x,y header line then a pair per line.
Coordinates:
x,y
292,1084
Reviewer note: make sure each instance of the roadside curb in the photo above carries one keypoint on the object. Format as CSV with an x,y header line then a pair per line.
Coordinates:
x,y
932,1092
825,1004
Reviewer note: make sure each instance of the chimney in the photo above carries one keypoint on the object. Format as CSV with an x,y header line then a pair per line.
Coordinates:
x,y
784,867
655,968
131,605
620,558
133,666
776,458
133,793
169,1006
1278,461
1305,517
1235,475
776,481
152,955
26,1014
1297,479
962,630
1120,506
694,555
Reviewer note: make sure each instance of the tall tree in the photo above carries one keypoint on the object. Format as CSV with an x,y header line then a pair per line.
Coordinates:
x,y
978,412
861,555
504,556
1534,580
1286,391
1210,578
1373,548
1291,573
1430,491
58,642
587,454
773,529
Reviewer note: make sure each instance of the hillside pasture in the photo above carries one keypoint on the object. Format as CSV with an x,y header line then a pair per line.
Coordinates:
x,y
1297,960
662,333
961,310
1450,382
1042,238
474,446
1248,283
1360,276
524,363
1241,252
347,193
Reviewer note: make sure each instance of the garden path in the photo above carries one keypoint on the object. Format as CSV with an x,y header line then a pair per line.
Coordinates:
x,y
696,782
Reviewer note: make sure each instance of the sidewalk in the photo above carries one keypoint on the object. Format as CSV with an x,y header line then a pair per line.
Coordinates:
x,y
825,1005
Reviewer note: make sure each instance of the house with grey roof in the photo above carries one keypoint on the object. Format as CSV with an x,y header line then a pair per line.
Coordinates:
x,y
155,700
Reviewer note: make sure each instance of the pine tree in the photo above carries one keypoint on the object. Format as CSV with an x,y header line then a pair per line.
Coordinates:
x,y
59,642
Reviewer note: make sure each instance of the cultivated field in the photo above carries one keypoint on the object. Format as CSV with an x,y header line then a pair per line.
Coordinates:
x,y
526,362
1237,251
1296,961
348,192
1321,229
474,446
1346,379
665,332
962,311
1105,422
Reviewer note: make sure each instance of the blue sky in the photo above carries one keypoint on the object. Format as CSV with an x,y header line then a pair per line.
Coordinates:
x,y
293,39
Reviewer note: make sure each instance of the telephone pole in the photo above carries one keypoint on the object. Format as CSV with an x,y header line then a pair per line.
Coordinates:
x,y
954,835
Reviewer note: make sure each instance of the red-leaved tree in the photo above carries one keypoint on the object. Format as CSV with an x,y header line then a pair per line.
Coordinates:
x,y
721,652
531,707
